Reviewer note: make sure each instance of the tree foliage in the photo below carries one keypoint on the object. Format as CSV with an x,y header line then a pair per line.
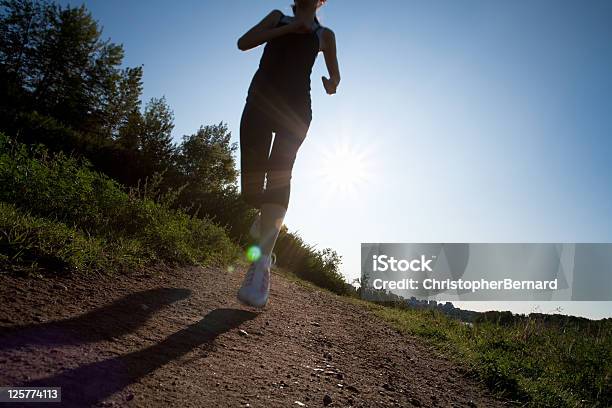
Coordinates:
x,y
65,87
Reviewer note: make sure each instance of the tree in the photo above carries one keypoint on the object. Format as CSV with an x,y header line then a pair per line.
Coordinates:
x,y
206,159
205,164
156,136
22,28
123,106
56,58
22,25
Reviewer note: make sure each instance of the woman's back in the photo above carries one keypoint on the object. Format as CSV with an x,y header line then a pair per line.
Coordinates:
x,y
286,64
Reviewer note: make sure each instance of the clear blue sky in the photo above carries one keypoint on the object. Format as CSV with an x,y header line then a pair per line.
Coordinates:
x,y
473,121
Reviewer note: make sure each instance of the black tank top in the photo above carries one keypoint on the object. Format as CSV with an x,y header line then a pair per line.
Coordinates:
x,y
285,67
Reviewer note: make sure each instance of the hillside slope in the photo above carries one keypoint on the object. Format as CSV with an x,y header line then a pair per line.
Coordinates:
x,y
180,338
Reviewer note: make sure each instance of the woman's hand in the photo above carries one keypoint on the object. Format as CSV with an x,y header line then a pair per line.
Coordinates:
x,y
264,31
329,85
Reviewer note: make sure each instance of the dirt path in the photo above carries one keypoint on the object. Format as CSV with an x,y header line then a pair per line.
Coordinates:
x,y
176,340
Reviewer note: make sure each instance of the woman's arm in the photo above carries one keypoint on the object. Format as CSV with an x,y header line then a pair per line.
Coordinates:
x,y
266,30
331,61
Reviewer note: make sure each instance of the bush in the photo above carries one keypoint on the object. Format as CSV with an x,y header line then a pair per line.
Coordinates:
x,y
319,267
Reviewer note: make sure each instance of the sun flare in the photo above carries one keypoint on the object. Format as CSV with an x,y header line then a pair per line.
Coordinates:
x,y
344,167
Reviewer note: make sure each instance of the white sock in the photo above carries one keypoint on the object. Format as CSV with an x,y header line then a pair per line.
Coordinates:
x,y
272,216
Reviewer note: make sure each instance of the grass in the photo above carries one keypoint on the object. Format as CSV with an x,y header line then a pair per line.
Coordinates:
x,y
530,361
30,244
57,214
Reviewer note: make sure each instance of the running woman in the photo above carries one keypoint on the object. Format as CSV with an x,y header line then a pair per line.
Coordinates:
x,y
278,102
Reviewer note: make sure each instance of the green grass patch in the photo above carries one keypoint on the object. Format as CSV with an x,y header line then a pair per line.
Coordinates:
x,y
57,213
532,361
30,244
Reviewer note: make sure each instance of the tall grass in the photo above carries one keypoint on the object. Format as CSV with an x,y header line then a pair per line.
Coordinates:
x,y
321,267
58,212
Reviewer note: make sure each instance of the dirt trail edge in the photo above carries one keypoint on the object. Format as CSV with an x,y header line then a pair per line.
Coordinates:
x,y
182,339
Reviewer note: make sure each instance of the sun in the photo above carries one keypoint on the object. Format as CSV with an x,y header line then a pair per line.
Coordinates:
x,y
344,167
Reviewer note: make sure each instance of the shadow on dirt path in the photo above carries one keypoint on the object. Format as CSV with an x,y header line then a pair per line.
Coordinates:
x,y
116,319
89,384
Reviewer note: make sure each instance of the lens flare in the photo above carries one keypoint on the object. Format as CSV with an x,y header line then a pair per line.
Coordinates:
x,y
253,253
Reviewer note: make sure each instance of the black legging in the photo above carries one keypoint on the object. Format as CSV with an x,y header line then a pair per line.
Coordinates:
x,y
261,117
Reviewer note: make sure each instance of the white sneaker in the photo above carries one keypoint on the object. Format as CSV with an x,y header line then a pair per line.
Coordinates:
x,y
255,288
255,230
